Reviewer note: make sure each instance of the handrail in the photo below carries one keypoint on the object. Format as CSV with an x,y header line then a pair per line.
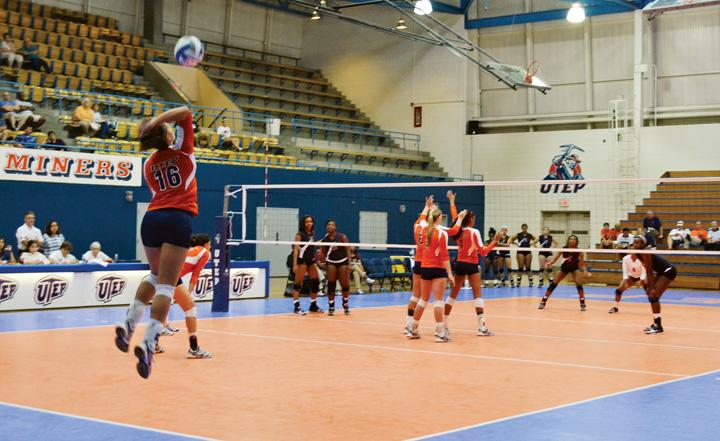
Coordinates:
x,y
224,48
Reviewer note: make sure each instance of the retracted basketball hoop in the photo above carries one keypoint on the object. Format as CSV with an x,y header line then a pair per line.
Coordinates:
x,y
532,70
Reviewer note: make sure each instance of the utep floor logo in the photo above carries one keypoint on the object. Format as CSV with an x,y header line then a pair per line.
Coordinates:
x,y
8,288
564,167
241,282
204,284
49,288
109,286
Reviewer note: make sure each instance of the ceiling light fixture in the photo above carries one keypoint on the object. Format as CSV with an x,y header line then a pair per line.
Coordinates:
x,y
423,7
576,13
315,15
401,25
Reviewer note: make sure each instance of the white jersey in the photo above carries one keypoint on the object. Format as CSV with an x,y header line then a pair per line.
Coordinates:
x,y
633,268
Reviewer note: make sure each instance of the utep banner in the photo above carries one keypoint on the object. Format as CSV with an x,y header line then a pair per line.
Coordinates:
x,y
69,167
48,290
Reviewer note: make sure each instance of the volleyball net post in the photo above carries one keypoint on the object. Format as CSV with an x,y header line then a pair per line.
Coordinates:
x,y
221,265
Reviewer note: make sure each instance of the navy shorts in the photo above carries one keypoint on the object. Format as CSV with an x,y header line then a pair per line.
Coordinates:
x,y
306,260
466,269
417,268
434,273
167,225
670,273
546,253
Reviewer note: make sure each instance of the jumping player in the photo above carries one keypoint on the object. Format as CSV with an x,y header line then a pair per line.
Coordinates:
x,y
546,241
660,274
197,258
633,274
166,228
572,264
304,261
337,259
470,244
435,271
524,258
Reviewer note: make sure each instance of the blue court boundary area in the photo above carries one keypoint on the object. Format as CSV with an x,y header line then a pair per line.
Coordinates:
x,y
105,316
20,423
679,410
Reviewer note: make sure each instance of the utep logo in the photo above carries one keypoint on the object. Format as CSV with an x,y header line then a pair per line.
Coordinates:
x,y
204,285
8,288
241,282
564,167
109,286
49,288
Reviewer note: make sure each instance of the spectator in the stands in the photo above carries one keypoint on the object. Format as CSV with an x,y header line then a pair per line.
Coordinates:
x,y
52,238
607,236
652,225
28,231
698,236
33,256
95,255
63,256
4,132
358,273
53,140
19,114
101,122
713,237
31,52
85,117
649,238
6,253
226,141
678,236
624,240
9,53
9,110
26,139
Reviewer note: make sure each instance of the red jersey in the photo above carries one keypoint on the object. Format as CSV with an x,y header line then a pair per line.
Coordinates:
x,y
436,254
196,259
470,244
170,173
420,224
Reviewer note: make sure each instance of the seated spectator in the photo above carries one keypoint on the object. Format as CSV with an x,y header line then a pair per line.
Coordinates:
x,y
85,118
32,55
653,226
8,52
713,237
33,256
607,236
624,240
9,110
52,238
226,141
27,139
358,273
6,253
95,255
25,116
27,232
649,238
698,236
101,122
62,255
53,140
677,237
4,132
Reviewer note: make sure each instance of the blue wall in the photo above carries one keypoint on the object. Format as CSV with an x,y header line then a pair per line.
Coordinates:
x,y
88,212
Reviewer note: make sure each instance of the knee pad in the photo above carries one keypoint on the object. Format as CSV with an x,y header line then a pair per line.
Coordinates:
x,y
297,287
164,290
618,292
414,299
439,304
654,299
314,285
450,301
579,288
152,279
192,312
345,288
421,303
552,287
479,302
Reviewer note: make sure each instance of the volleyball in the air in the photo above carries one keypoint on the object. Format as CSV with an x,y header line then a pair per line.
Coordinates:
x,y
189,51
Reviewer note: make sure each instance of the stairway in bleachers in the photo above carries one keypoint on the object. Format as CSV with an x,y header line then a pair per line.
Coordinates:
x,y
672,202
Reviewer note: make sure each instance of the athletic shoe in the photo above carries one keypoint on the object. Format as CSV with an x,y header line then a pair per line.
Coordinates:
x,y
613,310
172,329
298,310
653,329
159,349
331,310
485,332
583,307
412,334
369,281
442,337
123,334
346,308
530,283
360,291
541,284
503,284
407,330
198,353
542,304
166,332
315,308
144,356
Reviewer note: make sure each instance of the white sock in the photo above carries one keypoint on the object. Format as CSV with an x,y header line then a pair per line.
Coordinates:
x,y
445,317
152,332
481,320
656,316
414,324
409,321
439,327
135,312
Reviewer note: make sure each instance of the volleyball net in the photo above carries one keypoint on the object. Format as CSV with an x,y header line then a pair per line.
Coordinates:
x,y
260,221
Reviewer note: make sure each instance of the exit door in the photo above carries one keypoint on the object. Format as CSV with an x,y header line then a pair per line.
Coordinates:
x,y
564,223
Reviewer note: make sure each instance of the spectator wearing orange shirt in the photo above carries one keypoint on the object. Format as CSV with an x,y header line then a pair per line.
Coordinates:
x,y
699,236
85,116
607,236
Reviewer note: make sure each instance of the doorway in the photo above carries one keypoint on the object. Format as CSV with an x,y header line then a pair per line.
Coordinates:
x,y
564,223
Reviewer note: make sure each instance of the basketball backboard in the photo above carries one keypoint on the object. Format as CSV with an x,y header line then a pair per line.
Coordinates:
x,y
660,6
515,76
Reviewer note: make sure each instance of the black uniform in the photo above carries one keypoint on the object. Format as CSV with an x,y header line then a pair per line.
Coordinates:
x,y
503,243
524,240
662,267
306,255
336,255
571,262
546,241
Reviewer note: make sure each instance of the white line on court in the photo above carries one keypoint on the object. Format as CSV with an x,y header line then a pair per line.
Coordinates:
x,y
575,403
97,420
552,337
451,354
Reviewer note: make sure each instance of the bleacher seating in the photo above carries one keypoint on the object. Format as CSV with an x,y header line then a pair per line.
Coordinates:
x,y
30,8
672,202
387,269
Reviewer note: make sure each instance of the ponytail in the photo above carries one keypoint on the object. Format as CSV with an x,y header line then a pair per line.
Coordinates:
x,y
470,216
432,217
199,240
